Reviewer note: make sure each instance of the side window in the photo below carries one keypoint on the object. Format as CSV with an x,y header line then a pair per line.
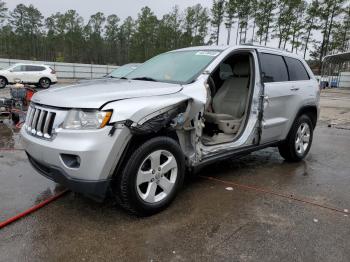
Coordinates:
x,y
296,69
273,68
18,68
30,68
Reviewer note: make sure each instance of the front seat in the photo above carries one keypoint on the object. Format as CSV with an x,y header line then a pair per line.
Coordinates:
x,y
229,102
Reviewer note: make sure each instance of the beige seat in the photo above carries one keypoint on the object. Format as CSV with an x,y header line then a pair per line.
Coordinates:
x,y
229,102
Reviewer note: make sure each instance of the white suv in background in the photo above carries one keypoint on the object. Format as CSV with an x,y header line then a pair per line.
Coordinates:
x,y
37,74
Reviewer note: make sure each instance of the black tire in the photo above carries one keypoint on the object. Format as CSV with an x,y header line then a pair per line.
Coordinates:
x,y
125,187
44,83
3,82
289,149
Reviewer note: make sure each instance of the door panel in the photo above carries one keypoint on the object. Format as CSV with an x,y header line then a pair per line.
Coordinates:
x,y
280,101
279,97
30,74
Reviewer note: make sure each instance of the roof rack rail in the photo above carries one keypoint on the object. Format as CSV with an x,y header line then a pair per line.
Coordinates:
x,y
267,47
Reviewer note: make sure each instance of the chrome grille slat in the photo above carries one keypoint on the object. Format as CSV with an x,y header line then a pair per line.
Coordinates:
x,y
39,126
31,119
46,126
30,109
35,121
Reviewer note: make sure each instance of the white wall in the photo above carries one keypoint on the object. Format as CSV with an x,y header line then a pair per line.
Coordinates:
x,y
66,70
344,80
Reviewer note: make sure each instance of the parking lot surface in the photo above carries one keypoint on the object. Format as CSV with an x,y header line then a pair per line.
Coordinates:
x,y
210,220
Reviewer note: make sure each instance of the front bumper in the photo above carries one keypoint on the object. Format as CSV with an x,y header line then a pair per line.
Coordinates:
x,y
98,152
94,189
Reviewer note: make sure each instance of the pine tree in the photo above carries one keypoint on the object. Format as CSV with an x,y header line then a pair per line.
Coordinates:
x,y
311,23
217,12
231,14
264,19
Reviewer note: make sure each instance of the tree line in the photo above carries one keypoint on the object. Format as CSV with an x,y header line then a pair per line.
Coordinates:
x,y
317,27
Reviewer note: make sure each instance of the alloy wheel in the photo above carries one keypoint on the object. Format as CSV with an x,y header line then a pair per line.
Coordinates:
x,y
157,176
302,139
44,83
2,82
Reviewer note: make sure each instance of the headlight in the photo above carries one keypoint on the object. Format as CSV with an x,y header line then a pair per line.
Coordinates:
x,y
80,119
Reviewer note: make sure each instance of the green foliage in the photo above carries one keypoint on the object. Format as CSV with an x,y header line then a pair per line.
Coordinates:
x,y
217,12
265,18
26,34
3,11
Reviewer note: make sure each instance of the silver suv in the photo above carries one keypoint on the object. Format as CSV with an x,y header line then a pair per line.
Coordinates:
x,y
135,137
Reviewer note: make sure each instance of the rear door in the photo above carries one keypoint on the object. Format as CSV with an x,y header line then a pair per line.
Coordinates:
x,y
301,84
32,73
279,97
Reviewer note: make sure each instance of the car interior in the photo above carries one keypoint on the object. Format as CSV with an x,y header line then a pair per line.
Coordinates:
x,y
230,85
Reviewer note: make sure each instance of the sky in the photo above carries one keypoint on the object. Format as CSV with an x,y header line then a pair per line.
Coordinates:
x,y
122,8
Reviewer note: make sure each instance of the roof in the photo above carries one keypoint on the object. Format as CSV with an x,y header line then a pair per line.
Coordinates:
x,y
204,47
337,58
272,50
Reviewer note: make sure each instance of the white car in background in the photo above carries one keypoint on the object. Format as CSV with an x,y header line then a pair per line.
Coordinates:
x,y
37,74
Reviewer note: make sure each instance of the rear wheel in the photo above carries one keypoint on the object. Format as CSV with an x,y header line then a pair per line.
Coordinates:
x,y
299,140
3,82
44,83
151,177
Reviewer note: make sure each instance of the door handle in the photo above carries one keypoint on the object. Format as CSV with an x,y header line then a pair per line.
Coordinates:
x,y
294,89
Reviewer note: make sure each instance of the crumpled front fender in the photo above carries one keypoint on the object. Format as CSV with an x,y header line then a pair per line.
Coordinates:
x,y
139,110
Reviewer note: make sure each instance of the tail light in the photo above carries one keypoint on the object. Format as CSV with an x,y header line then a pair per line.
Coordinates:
x,y
53,71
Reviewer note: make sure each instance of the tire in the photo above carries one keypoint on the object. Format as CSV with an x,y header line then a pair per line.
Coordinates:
x,y
299,140
44,83
140,177
3,82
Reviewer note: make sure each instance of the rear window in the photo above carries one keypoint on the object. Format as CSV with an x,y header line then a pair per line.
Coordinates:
x,y
273,68
296,69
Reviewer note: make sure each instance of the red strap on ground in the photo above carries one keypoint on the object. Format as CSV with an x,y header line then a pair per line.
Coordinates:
x,y
31,210
266,191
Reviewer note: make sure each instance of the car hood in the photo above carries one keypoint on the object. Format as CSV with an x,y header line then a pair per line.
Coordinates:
x,y
94,94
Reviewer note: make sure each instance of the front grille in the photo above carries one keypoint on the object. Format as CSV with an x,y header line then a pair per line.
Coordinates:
x,y
40,121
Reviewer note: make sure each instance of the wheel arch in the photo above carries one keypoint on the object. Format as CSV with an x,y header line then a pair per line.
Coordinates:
x,y
137,139
311,111
2,76
166,122
45,77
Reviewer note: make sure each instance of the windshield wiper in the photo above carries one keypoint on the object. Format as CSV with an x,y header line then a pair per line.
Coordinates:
x,y
144,78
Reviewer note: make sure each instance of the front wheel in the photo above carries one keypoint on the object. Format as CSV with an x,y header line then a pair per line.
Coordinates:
x,y
299,140
151,177
3,82
44,83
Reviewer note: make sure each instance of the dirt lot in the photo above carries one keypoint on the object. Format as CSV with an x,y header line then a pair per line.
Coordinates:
x,y
273,219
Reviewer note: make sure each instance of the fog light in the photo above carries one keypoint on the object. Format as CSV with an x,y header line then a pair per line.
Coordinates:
x,y
71,161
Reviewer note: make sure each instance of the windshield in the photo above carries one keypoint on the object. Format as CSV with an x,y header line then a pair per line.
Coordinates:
x,y
122,70
174,67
